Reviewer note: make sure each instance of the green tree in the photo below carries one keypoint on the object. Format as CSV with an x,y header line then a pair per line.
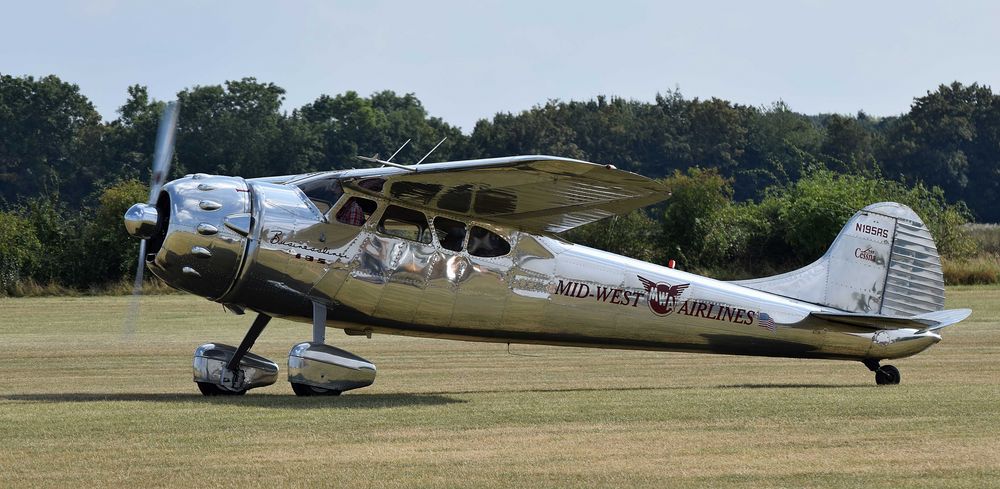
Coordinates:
x,y
130,139
634,235
697,197
50,138
781,145
540,130
718,134
349,125
810,212
951,138
849,146
231,130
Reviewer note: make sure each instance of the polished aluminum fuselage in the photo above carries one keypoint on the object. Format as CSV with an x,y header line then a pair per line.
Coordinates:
x,y
545,291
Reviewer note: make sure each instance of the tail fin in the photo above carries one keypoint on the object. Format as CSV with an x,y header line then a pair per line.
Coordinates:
x,y
884,262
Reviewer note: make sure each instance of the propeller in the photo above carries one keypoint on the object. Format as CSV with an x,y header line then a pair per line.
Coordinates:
x,y
162,156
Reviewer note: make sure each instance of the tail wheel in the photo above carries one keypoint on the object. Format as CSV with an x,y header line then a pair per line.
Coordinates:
x,y
887,375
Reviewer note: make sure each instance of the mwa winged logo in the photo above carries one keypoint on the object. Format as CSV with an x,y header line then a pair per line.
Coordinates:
x,y
662,296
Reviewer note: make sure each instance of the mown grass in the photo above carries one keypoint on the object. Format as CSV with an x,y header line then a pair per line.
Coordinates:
x,y
82,405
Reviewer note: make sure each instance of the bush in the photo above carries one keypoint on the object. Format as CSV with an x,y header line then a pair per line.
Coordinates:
x,y
57,228
986,237
811,212
983,269
112,253
946,222
634,235
79,248
738,234
19,250
698,201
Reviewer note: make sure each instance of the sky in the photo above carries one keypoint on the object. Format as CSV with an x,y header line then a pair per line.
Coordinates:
x,y
468,60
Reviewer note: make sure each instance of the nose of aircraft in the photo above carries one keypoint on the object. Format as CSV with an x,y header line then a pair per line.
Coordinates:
x,y
140,220
197,231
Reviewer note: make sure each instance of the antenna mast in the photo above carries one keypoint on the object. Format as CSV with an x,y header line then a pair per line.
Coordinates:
x,y
397,151
429,152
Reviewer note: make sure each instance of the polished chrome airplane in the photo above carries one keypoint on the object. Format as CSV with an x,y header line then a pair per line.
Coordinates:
x,y
469,250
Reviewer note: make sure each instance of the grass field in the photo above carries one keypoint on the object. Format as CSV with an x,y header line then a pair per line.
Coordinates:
x,y
81,406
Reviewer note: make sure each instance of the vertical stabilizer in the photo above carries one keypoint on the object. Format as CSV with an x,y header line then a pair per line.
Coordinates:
x,y
884,261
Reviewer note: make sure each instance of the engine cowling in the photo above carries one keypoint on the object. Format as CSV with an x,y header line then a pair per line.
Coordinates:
x,y
198,232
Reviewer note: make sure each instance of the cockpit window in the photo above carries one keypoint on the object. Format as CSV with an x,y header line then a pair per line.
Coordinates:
x,y
323,193
486,243
356,211
405,223
450,233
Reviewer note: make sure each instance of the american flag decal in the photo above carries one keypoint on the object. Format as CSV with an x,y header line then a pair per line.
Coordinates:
x,y
765,321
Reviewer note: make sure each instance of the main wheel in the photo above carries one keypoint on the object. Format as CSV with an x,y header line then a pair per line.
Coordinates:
x,y
210,389
887,375
304,390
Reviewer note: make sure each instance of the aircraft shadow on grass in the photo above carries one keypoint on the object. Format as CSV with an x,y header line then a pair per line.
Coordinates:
x,y
792,386
646,388
353,401
362,401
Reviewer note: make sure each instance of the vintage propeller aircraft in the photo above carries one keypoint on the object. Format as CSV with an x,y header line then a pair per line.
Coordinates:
x,y
469,250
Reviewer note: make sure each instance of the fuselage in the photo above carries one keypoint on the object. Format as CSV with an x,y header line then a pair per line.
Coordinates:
x,y
382,278
469,250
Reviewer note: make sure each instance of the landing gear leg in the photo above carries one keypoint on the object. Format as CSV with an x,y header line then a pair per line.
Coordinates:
x,y
251,337
319,323
318,369
233,376
319,337
885,374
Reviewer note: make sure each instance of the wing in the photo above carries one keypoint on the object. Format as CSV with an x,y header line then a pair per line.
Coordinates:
x,y
532,193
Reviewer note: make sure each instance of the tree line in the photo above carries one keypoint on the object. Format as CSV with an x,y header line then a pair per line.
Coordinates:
x,y
65,174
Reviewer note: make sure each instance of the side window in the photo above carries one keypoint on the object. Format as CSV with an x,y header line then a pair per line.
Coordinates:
x,y
486,243
450,233
405,223
356,211
373,184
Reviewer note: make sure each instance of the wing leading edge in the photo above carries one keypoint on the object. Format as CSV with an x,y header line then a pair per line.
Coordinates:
x,y
532,193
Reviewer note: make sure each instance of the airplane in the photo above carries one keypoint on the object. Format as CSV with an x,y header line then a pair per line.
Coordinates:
x,y
470,250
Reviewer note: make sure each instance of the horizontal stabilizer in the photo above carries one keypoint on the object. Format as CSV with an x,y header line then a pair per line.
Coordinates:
x,y
931,321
